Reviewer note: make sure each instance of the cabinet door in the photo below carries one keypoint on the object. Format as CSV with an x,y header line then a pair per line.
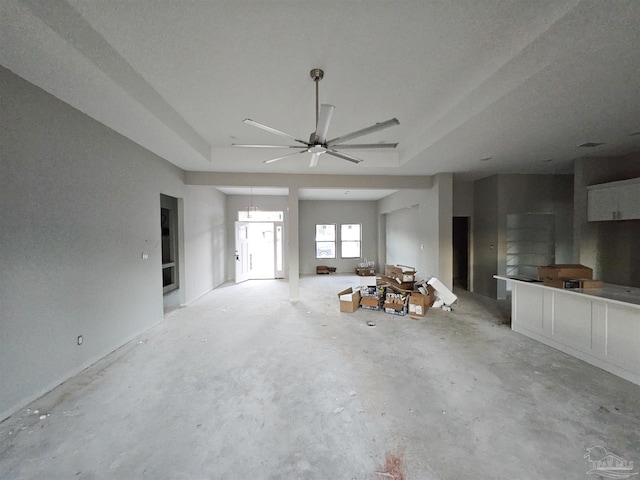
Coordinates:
x,y
602,204
629,201
614,201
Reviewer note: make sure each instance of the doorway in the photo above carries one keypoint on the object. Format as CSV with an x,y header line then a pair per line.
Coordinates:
x,y
461,252
259,249
170,248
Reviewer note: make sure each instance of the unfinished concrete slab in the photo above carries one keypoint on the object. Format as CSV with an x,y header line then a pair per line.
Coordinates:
x,y
243,384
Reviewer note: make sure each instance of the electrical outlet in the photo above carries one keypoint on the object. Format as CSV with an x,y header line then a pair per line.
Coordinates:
x,y
145,256
80,340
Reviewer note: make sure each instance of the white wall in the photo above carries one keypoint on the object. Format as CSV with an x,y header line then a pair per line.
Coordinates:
x,y
204,240
80,205
403,237
314,212
433,237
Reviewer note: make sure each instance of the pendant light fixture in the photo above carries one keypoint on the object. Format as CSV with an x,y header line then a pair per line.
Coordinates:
x,y
251,208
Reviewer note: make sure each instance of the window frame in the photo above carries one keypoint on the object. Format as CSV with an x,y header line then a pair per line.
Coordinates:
x,y
359,241
334,242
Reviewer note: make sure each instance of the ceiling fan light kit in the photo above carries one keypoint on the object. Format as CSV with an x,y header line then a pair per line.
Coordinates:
x,y
318,143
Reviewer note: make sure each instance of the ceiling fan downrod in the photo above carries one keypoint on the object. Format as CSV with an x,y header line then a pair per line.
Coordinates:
x,y
316,76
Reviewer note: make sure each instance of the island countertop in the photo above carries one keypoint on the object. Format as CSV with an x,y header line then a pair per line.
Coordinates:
x,y
629,296
598,325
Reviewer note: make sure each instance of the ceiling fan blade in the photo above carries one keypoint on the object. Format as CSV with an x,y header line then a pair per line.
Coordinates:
x,y
344,156
284,156
263,146
324,117
248,121
366,145
314,160
365,131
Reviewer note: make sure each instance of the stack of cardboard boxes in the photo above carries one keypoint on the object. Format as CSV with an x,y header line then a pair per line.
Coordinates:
x,y
400,280
395,292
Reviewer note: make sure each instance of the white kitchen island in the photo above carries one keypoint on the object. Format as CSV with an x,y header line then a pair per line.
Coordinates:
x,y
600,326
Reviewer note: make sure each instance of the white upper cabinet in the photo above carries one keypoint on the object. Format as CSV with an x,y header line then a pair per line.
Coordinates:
x,y
614,201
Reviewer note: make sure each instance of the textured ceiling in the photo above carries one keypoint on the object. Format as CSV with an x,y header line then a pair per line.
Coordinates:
x,y
521,82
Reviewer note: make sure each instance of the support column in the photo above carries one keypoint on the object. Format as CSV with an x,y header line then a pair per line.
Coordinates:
x,y
294,246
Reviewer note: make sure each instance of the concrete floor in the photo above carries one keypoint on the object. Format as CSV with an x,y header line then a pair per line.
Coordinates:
x,y
244,385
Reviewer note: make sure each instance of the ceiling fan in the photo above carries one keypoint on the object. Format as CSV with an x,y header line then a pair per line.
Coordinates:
x,y
318,143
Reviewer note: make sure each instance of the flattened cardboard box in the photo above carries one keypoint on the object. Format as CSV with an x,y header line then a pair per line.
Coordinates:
x,y
395,284
349,300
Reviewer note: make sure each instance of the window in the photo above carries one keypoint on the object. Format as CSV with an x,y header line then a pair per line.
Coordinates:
x,y
326,241
260,216
350,239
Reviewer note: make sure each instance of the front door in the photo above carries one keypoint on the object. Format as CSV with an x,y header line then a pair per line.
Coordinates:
x,y
243,267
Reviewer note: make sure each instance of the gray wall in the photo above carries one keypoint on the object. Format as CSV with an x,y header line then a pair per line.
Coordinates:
x,y
500,195
314,212
610,248
485,236
463,193
80,205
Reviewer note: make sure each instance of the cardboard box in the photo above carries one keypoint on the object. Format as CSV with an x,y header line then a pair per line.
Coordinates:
x,y
419,304
400,273
442,292
349,300
588,283
396,303
373,291
564,270
393,282
323,270
573,283
365,271
372,303
370,291
566,283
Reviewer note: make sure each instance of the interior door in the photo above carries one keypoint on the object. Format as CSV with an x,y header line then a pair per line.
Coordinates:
x,y
243,267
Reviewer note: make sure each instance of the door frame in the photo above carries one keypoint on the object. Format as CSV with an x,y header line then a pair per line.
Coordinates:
x,y
176,205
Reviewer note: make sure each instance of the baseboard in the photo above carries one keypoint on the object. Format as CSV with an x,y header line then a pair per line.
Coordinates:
x,y
56,383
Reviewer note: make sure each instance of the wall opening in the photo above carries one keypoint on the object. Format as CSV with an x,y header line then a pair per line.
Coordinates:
x,y
461,252
169,242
